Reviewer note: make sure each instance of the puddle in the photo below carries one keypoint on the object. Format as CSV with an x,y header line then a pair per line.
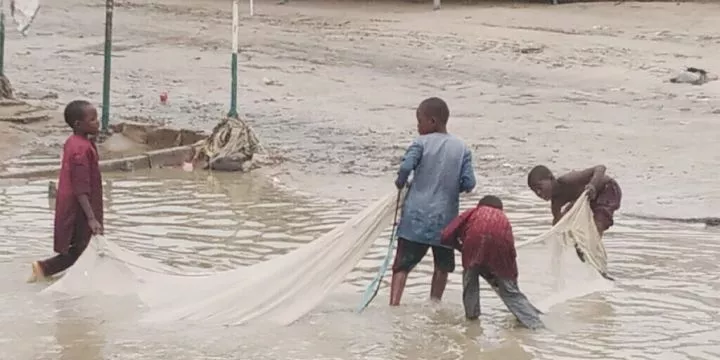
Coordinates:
x,y
664,304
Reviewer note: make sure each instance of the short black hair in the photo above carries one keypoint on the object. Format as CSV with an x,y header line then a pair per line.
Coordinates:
x,y
74,112
539,173
492,201
435,107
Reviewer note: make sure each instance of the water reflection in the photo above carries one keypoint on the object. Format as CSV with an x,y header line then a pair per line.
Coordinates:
x,y
663,307
79,335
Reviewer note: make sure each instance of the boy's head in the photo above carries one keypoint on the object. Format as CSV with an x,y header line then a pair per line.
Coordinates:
x,y
491,201
82,117
541,181
432,116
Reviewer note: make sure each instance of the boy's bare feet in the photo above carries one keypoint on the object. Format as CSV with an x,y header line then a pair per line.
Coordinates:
x,y
37,273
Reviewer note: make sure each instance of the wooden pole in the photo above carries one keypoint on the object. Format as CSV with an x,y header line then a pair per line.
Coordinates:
x,y
109,8
233,58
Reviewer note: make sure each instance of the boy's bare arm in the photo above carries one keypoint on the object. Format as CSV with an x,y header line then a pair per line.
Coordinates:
x,y
556,208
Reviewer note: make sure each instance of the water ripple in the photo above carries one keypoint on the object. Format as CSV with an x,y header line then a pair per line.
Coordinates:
x,y
663,307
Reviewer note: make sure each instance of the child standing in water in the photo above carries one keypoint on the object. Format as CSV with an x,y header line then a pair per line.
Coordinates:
x,y
484,237
603,192
442,168
79,204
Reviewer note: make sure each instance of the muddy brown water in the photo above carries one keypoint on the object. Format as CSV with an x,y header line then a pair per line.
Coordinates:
x,y
664,305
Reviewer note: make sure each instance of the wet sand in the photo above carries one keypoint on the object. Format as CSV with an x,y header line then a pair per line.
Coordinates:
x,y
193,222
568,86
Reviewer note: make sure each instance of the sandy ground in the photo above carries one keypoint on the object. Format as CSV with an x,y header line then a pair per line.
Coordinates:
x,y
333,86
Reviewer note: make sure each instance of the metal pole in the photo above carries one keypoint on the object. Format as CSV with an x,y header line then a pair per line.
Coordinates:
x,y
233,65
109,7
2,37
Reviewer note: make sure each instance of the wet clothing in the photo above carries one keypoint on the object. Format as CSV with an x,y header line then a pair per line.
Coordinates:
x,y
605,204
442,168
79,174
518,304
410,253
484,236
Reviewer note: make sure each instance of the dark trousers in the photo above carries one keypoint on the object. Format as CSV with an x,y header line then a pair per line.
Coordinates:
x,y
507,290
62,262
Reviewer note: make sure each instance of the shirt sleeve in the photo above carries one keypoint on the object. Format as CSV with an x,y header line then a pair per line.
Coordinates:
x,y
410,161
450,235
467,174
80,173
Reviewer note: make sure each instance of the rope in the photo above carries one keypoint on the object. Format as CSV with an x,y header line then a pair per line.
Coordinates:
x,y
372,290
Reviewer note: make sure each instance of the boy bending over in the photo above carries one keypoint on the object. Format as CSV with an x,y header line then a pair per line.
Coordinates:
x,y
484,237
603,192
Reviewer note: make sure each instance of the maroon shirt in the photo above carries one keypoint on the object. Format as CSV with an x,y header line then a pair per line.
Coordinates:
x,y
484,236
79,174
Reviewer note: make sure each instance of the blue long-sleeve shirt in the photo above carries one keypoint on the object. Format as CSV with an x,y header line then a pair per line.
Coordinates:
x,y
442,167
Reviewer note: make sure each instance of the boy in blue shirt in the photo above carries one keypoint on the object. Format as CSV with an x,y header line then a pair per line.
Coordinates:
x,y
441,165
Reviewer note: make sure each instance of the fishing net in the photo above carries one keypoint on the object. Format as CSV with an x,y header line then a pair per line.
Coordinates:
x,y
230,147
283,289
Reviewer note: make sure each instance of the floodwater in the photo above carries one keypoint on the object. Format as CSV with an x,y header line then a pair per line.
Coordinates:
x,y
664,305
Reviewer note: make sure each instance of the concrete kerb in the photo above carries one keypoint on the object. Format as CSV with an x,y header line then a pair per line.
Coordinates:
x,y
149,160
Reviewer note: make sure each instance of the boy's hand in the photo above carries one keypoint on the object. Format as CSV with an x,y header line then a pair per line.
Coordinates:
x,y
95,227
591,191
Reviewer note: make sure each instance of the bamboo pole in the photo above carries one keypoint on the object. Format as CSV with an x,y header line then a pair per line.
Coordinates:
x,y
109,8
233,64
2,38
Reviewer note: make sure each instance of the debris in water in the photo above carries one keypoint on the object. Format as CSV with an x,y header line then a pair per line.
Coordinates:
x,y
230,147
694,76
52,190
532,49
163,97
271,82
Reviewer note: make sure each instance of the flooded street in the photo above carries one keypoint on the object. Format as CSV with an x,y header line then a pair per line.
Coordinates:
x,y
664,305
332,87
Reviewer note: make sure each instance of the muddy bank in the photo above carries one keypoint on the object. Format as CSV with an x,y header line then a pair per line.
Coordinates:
x,y
333,85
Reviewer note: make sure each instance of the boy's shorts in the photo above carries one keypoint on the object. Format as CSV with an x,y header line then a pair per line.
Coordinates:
x,y
605,204
410,253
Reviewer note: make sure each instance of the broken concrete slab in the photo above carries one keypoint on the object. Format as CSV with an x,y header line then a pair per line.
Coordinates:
x,y
18,111
153,159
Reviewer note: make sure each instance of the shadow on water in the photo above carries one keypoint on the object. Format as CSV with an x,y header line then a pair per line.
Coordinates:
x,y
664,304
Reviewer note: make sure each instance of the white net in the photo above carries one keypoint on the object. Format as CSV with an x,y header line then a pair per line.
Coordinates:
x,y
283,289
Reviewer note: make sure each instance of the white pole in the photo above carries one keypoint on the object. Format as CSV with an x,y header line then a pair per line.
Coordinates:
x,y
436,4
252,7
235,25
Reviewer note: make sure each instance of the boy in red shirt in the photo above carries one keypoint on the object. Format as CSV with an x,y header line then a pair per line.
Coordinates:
x,y
484,237
79,203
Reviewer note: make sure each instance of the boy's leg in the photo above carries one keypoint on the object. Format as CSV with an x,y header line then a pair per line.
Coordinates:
x,y
471,293
444,261
62,262
518,303
407,256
